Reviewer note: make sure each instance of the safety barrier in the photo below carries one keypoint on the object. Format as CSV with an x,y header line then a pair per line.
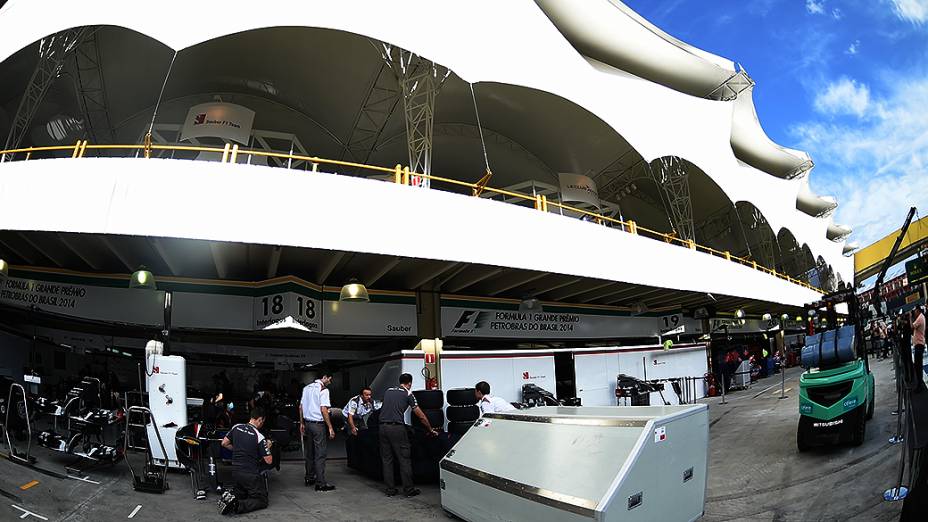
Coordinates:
x,y
402,175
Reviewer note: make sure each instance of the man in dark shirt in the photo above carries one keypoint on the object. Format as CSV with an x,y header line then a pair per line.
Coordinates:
x,y
393,437
250,449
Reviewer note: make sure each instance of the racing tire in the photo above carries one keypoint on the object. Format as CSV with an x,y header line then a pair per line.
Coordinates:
x,y
430,399
459,428
461,397
436,419
462,413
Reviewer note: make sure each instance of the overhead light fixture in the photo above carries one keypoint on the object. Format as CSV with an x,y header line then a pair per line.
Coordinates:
x,y
142,278
784,317
4,268
742,321
639,308
798,318
354,291
739,313
531,304
766,317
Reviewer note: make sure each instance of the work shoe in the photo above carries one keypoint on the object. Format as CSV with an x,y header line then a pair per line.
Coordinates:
x,y
391,492
309,482
227,496
227,508
411,492
324,487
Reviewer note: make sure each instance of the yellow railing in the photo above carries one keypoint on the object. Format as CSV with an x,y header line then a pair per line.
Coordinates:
x,y
402,175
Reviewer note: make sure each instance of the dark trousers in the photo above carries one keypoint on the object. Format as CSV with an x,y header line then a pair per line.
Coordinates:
x,y
394,441
316,443
919,368
250,492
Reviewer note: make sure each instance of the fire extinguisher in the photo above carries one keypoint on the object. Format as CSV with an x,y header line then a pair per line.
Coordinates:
x,y
431,383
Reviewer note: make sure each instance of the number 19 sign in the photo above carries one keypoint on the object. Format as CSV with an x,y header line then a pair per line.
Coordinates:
x,y
273,308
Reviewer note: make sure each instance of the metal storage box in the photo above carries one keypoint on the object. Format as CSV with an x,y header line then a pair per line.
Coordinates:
x,y
574,463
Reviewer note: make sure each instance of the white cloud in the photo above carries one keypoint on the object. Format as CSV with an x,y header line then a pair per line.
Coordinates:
x,y
915,11
875,166
844,96
837,14
854,48
815,6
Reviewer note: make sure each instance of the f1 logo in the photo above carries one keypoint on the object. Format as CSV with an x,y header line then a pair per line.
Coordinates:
x,y
525,376
199,119
465,318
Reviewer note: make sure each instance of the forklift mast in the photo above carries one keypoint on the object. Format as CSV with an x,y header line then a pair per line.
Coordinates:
x,y
888,262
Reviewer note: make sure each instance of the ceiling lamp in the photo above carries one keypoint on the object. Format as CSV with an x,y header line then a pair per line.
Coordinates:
x,y
784,317
354,291
531,304
739,313
142,278
766,317
4,268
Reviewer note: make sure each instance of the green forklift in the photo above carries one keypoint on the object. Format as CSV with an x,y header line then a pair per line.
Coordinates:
x,y
836,392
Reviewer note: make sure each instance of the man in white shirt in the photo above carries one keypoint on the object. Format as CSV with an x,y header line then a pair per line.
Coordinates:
x,y
314,409
358,409
488,403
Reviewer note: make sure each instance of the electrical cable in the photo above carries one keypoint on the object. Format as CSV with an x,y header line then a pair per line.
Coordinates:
x,y
483,144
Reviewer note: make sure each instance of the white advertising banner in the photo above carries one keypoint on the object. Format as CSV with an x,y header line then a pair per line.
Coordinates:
x,y
121,305
389,319
578,189
218,120
475,322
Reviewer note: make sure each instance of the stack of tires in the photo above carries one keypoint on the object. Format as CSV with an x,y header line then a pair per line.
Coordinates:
x,y
426,449
462,410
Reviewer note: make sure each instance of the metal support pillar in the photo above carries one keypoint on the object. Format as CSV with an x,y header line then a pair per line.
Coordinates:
x,y
671,175
53,51
91,89
419,80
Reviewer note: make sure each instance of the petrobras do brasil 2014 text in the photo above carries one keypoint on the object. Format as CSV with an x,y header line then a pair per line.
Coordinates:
x,y
38,293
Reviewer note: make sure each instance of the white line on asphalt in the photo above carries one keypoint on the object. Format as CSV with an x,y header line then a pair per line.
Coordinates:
x,y
134,511
27,513
85,479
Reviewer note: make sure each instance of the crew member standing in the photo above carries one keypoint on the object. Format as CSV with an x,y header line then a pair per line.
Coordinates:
x,y
249,450
488,403
358,409
394,441
918,340
316,430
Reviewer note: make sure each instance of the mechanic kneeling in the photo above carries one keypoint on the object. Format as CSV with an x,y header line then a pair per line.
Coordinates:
x,y
251,452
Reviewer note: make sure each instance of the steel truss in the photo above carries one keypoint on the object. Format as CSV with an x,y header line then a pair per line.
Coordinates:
x,y
381,102
419,80
732,87
91,89
671,175
53,52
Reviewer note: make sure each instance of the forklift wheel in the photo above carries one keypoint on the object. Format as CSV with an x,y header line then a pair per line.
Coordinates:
x,y
860,431
802,435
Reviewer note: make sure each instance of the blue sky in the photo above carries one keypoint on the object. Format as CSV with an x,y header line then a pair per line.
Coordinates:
x,y
846,81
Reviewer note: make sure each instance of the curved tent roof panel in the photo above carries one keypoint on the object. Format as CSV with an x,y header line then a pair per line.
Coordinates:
x,y
813,204
608,31
751,144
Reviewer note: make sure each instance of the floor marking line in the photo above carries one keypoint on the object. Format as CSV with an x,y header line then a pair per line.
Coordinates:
x,y
27,513
84,479
28,485
134,511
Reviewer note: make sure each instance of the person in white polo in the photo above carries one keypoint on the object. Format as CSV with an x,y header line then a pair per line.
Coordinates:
x,y
489,403
314,408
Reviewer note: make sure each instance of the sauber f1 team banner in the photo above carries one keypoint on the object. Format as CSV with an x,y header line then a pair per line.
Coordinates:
x,y
218,120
